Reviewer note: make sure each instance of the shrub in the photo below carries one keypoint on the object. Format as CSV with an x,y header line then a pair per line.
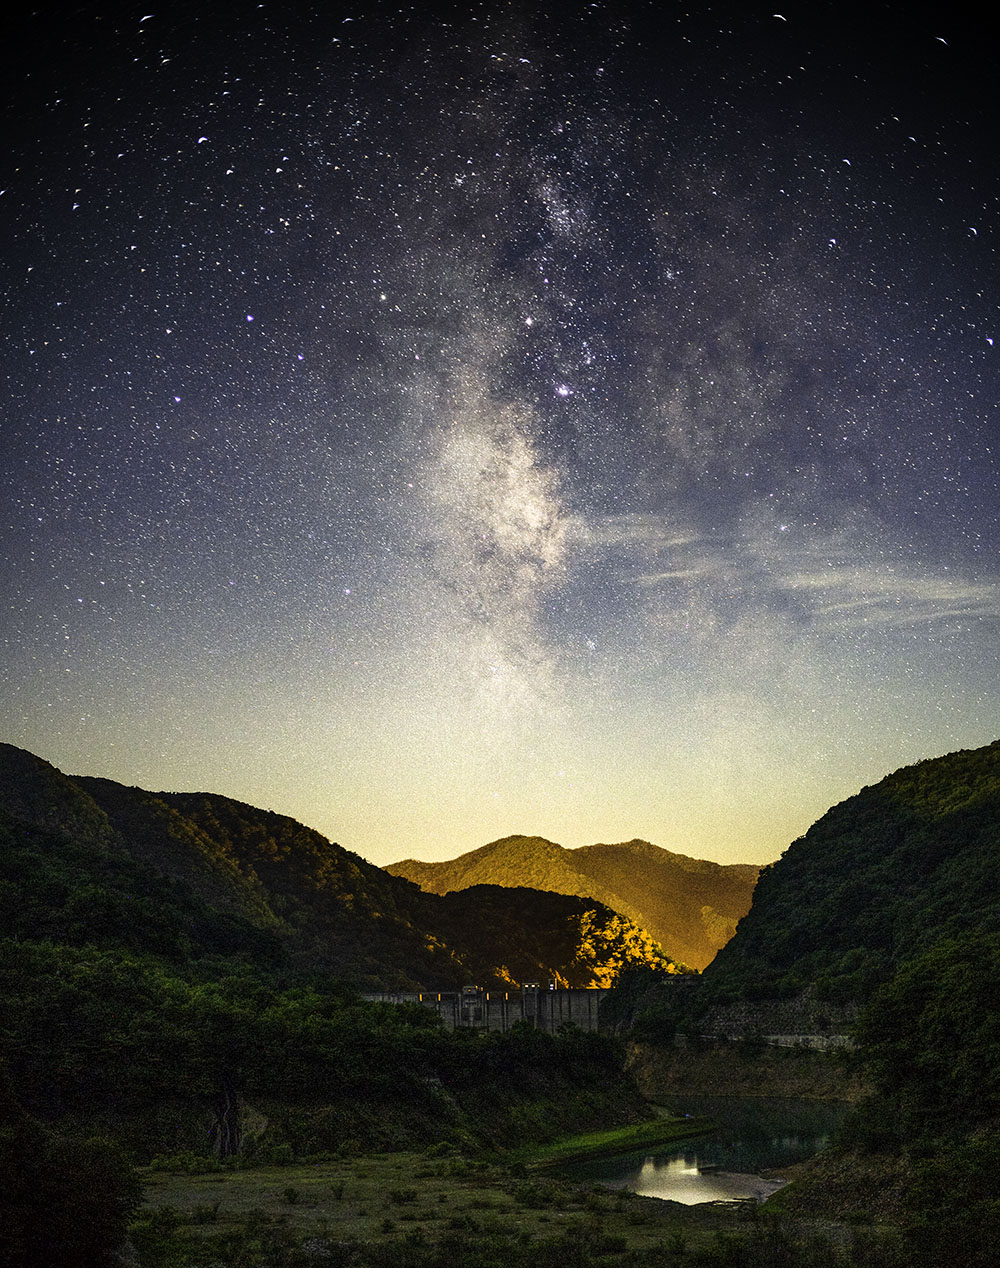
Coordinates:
x,y
64,1202
186,1163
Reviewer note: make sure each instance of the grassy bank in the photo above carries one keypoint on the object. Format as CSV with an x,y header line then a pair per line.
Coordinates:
x,y
418,1211
616,1140
400,1203
846,1185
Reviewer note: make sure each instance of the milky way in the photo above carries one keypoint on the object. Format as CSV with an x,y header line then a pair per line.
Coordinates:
x,y
448,422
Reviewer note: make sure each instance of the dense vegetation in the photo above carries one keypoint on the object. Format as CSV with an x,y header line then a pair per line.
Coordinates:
x,y
888,903
88,861
170,1060
105,1046
174,979
931,1041
169,960
891,900
689,906
64,1201
923,1149
179,974
875,882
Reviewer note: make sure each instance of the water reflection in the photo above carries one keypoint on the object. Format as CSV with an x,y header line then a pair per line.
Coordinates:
x,y
754,1136
680,1178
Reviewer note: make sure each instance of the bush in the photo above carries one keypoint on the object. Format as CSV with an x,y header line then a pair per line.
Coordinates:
x,y
441,1149
64,1202
186,1163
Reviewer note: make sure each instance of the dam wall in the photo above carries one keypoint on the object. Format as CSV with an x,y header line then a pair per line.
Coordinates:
x,y
477,1009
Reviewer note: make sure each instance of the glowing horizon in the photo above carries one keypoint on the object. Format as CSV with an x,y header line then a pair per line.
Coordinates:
x,y
579,427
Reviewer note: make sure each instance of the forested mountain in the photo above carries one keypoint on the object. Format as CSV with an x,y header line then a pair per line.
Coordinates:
x,y
180,972
689,906
890,902
878,880
883,920
694,903
89,861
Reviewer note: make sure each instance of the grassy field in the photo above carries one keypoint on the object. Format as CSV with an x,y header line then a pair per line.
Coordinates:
x,y
439,1209
424,1210
416,1199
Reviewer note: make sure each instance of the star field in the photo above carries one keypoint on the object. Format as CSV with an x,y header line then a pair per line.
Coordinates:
x,y
449,421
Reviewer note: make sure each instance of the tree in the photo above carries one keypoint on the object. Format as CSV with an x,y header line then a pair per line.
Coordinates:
x,y
65,1202
930,1037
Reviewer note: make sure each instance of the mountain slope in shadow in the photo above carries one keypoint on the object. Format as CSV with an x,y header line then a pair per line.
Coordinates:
x,y
91,862
690,906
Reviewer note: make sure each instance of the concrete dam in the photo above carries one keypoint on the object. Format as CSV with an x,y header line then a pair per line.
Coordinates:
x,y
478,1009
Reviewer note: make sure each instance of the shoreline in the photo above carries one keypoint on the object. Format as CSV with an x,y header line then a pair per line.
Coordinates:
x,y
617,1140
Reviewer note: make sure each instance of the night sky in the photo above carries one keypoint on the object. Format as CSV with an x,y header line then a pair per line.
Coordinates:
x,y
441,423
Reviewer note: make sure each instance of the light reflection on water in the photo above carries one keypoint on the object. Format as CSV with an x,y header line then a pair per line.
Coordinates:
x,y
753,1137
679,1178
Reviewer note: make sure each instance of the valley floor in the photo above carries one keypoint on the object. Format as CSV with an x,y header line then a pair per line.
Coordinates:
x,y
412,1209
393,1195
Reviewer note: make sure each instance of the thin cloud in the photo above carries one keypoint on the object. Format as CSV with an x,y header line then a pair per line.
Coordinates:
x,y
644,530
856,593
823,584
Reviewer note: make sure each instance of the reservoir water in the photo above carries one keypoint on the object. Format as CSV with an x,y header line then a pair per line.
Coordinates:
x,y
754,1136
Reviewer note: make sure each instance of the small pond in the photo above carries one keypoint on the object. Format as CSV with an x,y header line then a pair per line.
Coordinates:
x,y
754,1136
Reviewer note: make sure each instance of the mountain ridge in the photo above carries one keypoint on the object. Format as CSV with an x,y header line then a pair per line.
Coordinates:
x,y
690,906
90,860
877,879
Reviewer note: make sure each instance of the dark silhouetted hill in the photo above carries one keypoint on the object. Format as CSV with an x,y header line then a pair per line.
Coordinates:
x,y
91,862
879,879
180,972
